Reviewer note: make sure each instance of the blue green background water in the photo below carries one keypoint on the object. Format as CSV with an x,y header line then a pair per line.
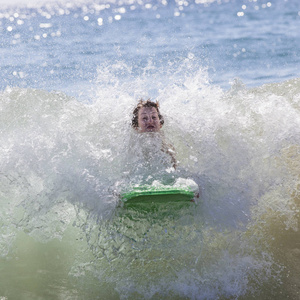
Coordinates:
x,y
60,45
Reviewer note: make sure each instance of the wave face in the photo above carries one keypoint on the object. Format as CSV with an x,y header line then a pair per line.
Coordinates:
x,y
71,75
61,160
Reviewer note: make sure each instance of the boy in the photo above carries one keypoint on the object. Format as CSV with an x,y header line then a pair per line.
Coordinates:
x,y
147,118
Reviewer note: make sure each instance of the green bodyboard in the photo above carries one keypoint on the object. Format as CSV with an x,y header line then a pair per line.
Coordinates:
x,y
161,194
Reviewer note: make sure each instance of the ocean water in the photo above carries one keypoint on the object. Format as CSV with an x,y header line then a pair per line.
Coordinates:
x,y
226,76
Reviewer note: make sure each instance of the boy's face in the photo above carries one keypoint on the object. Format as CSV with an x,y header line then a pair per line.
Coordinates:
x,y
148,120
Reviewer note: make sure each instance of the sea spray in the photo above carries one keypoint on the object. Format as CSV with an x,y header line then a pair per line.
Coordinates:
x,y
63,234
60,160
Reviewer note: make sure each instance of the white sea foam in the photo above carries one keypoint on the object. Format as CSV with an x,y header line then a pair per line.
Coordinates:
x,y
61,158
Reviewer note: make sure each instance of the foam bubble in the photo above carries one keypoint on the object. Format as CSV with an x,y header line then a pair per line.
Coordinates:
x,y
61,159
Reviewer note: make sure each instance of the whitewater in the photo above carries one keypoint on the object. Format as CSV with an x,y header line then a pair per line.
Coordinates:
x,y
226,76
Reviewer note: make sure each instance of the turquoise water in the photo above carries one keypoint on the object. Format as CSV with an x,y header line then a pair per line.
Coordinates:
x,y
226,76
62,44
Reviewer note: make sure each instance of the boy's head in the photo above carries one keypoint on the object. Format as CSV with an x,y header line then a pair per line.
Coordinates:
x,y
146,116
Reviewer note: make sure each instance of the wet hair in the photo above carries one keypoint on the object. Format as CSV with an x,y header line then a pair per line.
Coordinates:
x,y
143,103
